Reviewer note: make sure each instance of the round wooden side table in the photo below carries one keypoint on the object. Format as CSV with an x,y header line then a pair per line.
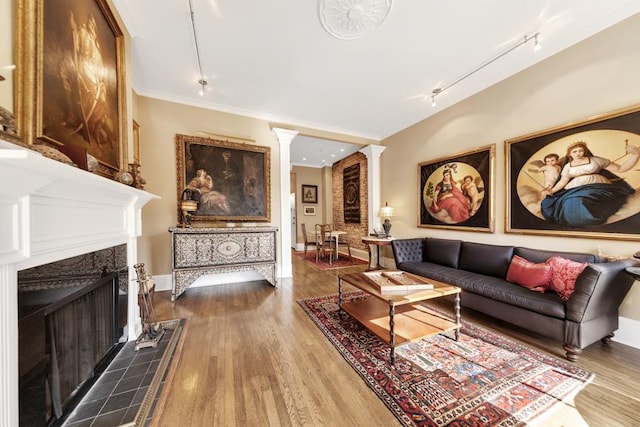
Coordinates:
x,y
377,242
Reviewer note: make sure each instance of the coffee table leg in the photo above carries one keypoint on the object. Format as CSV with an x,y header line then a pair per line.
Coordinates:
x,y
392,334
458,319
340,297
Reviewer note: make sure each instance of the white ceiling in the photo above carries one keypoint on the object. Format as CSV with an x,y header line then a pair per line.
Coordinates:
x,y
273,59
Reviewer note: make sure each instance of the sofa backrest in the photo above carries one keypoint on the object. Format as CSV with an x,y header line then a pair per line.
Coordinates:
x,y
442,251
540,255
490,260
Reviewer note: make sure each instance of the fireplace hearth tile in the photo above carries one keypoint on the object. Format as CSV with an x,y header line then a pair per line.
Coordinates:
x,y
119,393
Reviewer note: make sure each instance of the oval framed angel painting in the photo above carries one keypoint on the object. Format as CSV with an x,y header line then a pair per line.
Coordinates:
x,y
580,179
457,192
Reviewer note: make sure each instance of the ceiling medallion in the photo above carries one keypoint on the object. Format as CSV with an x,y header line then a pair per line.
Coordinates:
x,y
351,19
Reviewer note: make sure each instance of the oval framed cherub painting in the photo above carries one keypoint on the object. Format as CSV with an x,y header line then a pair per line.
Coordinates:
x,y
579,179
456,192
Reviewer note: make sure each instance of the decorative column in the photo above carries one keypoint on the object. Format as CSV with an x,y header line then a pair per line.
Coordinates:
x,y
133,218
373,153
285,136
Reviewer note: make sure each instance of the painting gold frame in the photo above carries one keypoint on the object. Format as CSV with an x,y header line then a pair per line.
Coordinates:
x,y
136,143
232,180
466,205
104,114
605,137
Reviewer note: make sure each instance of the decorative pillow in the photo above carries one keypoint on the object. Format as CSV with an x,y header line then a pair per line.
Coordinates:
x,y
536,277
564,273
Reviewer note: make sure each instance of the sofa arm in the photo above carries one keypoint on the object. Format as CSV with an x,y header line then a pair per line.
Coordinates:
x,y
599,290
407,250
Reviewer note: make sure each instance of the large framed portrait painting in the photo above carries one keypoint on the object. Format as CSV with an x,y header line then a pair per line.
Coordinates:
x,y
230,180
81,75
581,179
457,192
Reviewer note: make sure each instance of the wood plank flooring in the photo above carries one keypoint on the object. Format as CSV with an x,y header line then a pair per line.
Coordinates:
x,y
252,357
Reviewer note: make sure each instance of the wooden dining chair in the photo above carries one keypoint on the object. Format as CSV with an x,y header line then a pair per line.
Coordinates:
x,y
324,242
342,241
308,242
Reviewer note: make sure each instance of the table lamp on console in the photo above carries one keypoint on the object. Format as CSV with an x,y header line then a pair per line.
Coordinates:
x,y
188,205
386,212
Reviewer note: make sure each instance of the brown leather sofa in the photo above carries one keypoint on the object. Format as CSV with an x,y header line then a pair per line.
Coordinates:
x,y
590,314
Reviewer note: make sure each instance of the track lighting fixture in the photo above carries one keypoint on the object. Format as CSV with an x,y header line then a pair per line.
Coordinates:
x,y
433,96
203,84
536,43
202,81
525,40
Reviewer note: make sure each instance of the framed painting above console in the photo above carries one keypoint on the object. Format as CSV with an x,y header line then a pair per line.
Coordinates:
x,y
229,180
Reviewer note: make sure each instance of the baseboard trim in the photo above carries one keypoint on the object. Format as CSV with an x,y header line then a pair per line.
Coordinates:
x,y
627,332
163,282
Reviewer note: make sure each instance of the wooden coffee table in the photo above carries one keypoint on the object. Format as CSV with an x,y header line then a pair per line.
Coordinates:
x,y
398,318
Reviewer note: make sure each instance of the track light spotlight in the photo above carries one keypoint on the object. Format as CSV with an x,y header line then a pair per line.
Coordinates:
x,y
203,83
536,43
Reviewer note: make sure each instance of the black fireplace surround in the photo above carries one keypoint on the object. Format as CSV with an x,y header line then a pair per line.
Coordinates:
x,y
70,326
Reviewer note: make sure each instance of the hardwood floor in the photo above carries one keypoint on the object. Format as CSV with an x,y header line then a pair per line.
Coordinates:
x,y
252,357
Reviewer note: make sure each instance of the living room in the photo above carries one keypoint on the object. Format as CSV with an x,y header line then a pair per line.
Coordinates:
x,y
592,78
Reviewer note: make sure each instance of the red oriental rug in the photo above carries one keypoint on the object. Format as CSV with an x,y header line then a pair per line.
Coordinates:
x,y
484,379
323,263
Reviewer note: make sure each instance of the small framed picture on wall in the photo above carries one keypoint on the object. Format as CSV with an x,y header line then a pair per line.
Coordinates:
x,y
309,193
309,210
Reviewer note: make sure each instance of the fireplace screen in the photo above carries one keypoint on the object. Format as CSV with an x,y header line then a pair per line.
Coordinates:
x,y
71,318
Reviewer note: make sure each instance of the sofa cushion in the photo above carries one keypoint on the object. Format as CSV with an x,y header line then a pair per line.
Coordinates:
x,y
492,260
564,273
407,250
535,277
540,255
442,251
547,303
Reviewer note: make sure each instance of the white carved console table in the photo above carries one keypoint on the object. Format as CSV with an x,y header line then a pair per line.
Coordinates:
x,y
200,251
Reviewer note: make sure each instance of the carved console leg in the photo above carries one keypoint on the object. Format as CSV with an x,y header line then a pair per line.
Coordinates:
x,y
607,339
572,353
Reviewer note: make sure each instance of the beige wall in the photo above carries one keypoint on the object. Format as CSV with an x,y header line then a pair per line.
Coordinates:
x,y
307,176
159,122
599,75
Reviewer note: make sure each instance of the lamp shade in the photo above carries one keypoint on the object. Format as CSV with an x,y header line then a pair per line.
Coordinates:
x,y
386,212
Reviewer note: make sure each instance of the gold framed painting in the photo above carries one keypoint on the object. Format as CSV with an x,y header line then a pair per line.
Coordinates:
x,y
577,180
79,97
230,181
136,143
456,192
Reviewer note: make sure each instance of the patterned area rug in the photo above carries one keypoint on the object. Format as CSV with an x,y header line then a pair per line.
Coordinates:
x,y
484,379
323,263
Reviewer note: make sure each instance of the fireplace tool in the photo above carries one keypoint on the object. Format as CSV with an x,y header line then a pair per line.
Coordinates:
x,y
152,331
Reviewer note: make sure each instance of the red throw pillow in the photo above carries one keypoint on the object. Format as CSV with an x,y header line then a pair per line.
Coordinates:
x,y
564,273
536,277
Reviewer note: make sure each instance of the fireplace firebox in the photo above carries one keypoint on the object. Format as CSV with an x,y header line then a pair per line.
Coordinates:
x,y
71,324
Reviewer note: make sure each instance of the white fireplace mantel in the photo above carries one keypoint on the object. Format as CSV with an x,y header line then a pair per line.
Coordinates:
x,y
50,211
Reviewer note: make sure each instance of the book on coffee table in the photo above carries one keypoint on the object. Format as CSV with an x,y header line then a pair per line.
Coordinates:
x,y
396,282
